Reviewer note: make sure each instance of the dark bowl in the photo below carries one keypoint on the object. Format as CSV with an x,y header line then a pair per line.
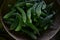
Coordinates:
x,y
46,36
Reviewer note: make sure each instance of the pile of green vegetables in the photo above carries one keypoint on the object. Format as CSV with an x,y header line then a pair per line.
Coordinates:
x,y
30,18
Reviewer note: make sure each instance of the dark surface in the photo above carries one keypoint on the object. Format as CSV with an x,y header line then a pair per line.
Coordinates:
x,y
1,1
4,35
57,36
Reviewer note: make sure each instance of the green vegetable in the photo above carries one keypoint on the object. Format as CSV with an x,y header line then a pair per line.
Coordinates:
x,y
9,20
30,18
9,14
30,34
38,9
20,4
33,27
29,15
13,26
29,5
19,27
49,7
44,5
43,14
49,17
22,13
34,8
